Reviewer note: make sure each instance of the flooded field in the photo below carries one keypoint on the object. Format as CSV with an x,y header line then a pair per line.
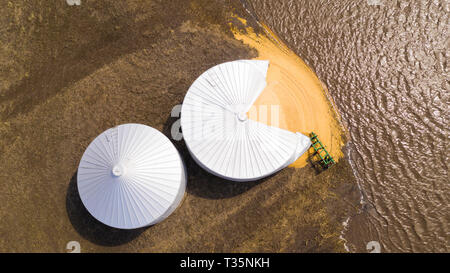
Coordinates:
x,y
69,72
385,65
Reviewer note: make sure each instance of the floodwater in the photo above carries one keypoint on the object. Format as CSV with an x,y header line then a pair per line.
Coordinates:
x,y
385,65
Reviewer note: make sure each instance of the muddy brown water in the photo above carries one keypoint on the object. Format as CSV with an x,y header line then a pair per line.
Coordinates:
x,y
385,64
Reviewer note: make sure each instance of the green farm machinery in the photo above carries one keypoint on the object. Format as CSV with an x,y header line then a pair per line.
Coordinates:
x,y
326,160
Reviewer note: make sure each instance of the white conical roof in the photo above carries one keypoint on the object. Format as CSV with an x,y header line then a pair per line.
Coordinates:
x,y
131,176
218,133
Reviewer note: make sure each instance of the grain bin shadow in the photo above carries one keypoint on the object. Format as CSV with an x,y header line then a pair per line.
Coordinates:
x,y
200,182
89,227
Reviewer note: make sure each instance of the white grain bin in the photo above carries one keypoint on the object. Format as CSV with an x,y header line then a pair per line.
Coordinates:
x,y
221,138
131,176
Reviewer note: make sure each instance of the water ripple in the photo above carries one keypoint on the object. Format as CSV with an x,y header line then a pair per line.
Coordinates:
x,y
386,68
